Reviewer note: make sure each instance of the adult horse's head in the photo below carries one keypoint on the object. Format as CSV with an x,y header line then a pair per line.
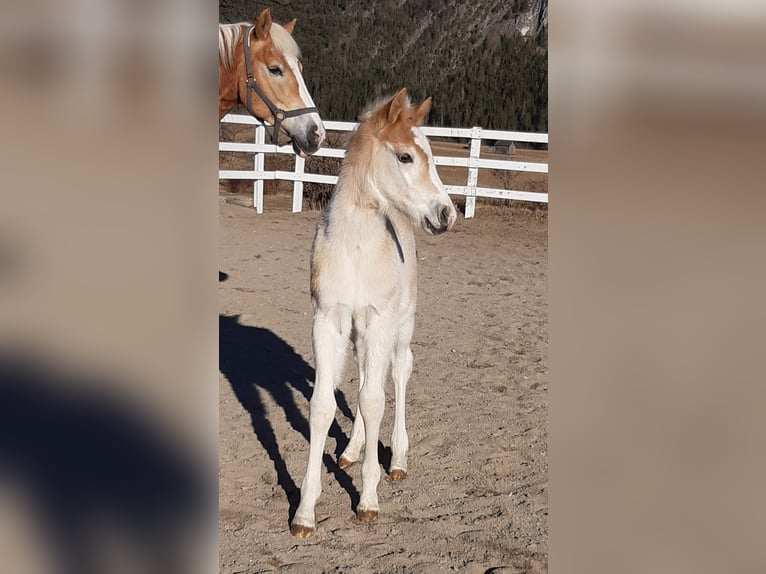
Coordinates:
x,y
259,66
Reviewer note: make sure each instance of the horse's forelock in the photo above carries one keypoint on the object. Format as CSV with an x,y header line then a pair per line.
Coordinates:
x,y
229,36
283,42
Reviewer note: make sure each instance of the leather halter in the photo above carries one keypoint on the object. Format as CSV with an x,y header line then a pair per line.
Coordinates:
x,y
251,85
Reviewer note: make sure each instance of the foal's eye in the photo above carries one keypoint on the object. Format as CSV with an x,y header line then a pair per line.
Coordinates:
x,y
275,71
404,158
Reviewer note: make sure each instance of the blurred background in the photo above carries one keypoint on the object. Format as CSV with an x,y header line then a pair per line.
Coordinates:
x,y
657,114
107,286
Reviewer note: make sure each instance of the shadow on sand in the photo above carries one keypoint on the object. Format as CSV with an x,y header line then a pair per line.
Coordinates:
x,y
256,361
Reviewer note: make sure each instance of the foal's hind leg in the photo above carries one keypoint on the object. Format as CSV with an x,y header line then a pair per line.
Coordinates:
x,y
330,338
401,369
354,448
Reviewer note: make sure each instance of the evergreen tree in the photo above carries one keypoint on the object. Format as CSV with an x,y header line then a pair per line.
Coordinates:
x,y
354,52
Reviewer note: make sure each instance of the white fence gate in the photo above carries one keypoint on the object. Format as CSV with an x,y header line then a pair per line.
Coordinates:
x,y
474,162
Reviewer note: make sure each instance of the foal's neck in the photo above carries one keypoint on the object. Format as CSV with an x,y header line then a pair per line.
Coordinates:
x,y
357,193
354,205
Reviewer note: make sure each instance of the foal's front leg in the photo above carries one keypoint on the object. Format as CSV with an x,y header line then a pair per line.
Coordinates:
x,y
330,338
401,369
371,405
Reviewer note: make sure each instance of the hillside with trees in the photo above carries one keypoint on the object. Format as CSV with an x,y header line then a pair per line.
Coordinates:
x,y
484,62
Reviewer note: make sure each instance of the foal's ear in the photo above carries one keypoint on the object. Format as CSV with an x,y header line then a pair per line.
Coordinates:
x,y
263,25
398,103
420,112
290,26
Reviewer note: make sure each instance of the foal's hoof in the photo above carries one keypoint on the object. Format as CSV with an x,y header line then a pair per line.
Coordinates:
x,y
367,515
343,462
300,531
398,474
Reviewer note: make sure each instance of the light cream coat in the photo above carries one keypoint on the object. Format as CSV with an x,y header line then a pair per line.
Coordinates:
x,y
364,288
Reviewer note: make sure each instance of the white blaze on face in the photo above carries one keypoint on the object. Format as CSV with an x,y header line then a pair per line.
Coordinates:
x,y
422,142
306,98
302,89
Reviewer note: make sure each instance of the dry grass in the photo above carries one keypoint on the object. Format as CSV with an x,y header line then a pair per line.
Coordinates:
x,y
316,195
515,209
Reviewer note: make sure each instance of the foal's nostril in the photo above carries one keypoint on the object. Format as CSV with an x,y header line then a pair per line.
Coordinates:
x,y
444,216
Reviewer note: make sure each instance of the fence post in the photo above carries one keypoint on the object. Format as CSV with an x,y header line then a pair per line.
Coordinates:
x,y
473,172
298,185
258,166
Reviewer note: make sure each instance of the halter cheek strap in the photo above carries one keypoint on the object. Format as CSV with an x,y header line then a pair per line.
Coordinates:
x,y
251,86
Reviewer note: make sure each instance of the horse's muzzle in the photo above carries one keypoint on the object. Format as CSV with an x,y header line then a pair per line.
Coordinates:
x,y
308,139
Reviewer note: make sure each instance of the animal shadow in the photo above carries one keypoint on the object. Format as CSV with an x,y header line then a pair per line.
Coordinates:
x,y
97,469
256,361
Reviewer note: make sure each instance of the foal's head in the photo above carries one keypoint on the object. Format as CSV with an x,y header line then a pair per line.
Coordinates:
x,y
403,165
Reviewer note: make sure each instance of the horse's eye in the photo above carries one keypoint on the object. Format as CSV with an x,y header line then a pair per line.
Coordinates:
x,y
404,158
275,70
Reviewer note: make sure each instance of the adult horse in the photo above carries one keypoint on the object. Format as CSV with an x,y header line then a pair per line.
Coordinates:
x,y
259,66
364,287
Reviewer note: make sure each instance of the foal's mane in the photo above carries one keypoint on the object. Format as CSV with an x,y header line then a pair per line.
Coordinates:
x,y
230,37
375,106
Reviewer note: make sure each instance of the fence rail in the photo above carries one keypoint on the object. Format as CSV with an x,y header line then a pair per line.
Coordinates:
x,y
474,162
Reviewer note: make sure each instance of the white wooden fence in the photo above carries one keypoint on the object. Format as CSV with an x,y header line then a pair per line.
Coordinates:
x,y
473,162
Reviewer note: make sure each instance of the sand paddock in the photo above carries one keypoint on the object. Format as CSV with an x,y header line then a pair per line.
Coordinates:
x,y
476,498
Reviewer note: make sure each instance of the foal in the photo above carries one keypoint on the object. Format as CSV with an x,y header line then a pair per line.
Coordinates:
x,y
364,287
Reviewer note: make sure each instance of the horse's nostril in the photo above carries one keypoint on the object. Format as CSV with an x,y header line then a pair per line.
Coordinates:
x,y
314,134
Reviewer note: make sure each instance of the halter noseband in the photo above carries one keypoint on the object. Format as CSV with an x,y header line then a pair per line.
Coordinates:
x,y
250,84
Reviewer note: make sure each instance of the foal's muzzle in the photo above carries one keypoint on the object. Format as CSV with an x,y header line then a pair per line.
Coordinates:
x,y
446,219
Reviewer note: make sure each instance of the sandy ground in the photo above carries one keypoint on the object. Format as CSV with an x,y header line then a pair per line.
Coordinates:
x,y
476,498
